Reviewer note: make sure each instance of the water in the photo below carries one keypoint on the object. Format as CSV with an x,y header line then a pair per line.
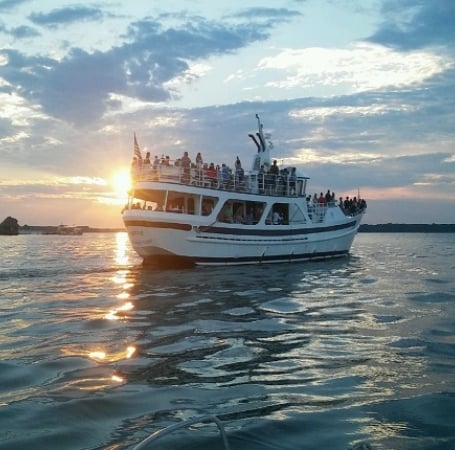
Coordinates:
x,y
96,352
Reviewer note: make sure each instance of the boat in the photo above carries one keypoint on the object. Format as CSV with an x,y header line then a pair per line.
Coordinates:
x,y
198,214
68,230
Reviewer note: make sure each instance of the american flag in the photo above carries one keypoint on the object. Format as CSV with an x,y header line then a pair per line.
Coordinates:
x,y
137,149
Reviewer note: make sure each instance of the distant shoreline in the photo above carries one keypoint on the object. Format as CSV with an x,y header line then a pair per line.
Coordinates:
x,y
51,229
408,228
365,228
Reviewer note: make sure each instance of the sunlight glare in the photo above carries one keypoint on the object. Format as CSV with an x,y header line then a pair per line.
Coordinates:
x,y
121,182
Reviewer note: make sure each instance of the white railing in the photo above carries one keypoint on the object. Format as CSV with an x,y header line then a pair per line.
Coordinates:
x,y
253,183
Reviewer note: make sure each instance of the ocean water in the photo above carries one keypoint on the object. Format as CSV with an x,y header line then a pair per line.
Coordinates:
x,y
98,352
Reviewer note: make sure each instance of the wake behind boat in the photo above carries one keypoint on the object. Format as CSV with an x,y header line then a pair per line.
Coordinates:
x,y
205,215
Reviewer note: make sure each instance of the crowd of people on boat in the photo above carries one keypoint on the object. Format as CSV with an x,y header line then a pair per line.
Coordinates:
x,y
349,205
272,180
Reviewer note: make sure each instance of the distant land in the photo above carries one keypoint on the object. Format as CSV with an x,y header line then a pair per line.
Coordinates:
x,y
378,228
51,229
408,228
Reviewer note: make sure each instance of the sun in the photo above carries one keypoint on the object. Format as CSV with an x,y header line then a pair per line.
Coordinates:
x,y
121,182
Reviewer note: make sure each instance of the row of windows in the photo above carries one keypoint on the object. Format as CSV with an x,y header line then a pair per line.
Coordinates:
x,y
232,211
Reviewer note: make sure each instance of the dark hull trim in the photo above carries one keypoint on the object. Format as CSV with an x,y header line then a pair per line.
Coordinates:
x,y
274,231
148,224
173,261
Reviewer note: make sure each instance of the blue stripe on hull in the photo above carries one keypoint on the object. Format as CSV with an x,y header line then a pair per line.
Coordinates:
x,y
275,230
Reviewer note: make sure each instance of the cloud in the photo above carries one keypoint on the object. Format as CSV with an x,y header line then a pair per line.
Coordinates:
x,y
269,14
65,16
413,24
359,68
23,32
9,5
78,87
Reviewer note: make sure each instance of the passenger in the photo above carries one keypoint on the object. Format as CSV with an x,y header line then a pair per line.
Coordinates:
x,y
292,180
272,178
239,216
211,174
207,208
281,182
328,196
186,165
277,218
239,173
225,175
274,169
199,161
321,199
228,214
146,165
341,203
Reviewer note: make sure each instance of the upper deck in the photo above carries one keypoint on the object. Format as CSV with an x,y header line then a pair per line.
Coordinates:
x,y
286,184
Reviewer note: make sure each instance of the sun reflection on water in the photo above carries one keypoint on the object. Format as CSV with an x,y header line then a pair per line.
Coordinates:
x,y
106,355
121,255
102,356
115,314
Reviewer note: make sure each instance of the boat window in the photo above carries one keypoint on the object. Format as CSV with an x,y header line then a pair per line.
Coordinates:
x,y
226,214
189,205
182,203
278,214
149,196
208,205
295,214
241,212
254,211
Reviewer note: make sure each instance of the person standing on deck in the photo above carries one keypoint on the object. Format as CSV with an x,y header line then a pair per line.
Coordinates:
x,y
186,164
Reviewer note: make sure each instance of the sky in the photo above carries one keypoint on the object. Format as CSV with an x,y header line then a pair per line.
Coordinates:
x,y
358,94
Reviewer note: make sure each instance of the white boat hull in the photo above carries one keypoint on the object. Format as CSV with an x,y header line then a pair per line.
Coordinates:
x,y
159,241
206,216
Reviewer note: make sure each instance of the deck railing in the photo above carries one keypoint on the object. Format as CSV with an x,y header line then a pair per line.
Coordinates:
x,y
248,182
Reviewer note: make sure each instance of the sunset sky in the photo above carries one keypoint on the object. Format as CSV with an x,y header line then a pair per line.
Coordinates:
x,y
359,94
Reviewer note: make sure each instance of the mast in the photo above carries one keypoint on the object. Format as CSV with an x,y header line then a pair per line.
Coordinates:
x,y
262,158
